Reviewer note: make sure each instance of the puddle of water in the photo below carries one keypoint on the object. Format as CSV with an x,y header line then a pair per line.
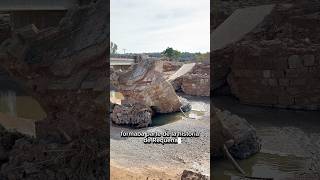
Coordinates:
x,y
162,119
261,165
21,106
197,111
288,141
19,112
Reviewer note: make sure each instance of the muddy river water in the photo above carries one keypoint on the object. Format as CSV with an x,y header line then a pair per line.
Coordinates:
x,y
290,142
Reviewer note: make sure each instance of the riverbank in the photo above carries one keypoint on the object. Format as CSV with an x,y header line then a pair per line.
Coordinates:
x,y
169,160
290,142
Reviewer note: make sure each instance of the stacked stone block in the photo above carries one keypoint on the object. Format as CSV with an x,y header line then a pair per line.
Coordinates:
x,y
271,73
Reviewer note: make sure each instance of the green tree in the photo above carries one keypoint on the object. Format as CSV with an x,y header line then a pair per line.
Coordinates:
x,y
171,53
113,48
202,57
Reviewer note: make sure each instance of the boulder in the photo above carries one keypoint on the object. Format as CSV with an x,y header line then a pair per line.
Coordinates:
x,y
189,175
145,83
133,115
240,135
171,66
197,81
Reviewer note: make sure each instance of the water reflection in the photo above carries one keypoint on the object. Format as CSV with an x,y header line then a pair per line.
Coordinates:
x,y
8,102
289,142
19,112
21,106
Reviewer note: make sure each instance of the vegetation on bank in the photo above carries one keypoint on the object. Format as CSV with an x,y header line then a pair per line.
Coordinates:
x,y
169,53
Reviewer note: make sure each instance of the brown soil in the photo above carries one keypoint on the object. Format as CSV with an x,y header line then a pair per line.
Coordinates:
x,y
119,173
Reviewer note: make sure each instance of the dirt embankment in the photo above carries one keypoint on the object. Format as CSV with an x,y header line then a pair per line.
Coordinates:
x,y
22,157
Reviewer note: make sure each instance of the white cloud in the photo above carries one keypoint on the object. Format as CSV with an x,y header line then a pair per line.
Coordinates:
x,y
153,25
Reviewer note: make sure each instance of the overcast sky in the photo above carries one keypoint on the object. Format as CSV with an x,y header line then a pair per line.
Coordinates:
x,y
153,25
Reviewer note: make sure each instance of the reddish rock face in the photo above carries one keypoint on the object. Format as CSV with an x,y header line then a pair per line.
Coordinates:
x,y
64,68
171,66
196,82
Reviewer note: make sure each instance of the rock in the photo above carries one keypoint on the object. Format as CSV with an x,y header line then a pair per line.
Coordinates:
x,y
308,60
196,85
244,138
133,115
145,83
196,82
294,61
171,66
186,106
45,160
189,175
221,67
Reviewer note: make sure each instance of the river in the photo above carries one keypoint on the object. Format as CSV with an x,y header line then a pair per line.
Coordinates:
x,y
290,142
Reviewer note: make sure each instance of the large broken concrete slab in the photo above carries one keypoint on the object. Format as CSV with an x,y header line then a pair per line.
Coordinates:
x,y
241,22
182,71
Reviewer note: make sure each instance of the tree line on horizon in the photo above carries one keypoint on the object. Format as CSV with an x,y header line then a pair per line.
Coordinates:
x,y
170,53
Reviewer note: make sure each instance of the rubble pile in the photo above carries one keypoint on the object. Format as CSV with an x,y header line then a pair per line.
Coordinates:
x,y
236,133
169,66
27,158
133,115
197,82
278,64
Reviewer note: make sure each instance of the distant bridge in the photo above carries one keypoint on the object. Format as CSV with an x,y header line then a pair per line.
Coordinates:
x,y
121,62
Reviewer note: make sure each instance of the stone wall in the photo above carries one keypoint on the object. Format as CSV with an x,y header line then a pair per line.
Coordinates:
x,y
278,63
269,73
197,82
222,60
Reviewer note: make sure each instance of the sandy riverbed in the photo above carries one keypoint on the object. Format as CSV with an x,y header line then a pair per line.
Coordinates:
x,y
130,156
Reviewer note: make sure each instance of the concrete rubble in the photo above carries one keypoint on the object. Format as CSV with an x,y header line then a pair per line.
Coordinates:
x,y
195,82
64,69
238,135
133,115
